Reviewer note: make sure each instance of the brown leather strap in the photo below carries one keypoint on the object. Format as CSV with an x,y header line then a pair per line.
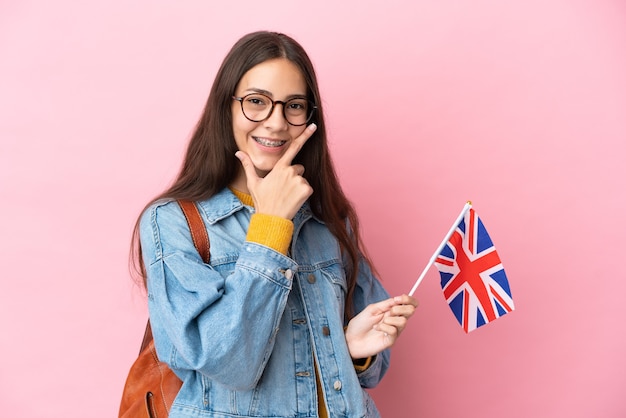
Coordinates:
x,y
147,337
200,240
198,229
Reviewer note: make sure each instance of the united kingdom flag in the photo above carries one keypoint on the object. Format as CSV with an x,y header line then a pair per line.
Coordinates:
x,y
472,277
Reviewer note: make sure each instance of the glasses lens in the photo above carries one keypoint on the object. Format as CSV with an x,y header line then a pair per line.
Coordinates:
x,y
256,107
297,111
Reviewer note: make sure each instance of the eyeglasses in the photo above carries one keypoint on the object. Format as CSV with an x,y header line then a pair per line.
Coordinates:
x,y
257,107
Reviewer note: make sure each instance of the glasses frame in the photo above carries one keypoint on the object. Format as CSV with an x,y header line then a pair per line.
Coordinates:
x,y
274,102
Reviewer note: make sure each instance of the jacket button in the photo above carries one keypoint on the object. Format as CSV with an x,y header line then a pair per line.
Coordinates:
x,y
288,274
337,385
326,331
311,278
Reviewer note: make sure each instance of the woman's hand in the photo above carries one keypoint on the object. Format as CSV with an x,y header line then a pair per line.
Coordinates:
x,y
283,190
378,326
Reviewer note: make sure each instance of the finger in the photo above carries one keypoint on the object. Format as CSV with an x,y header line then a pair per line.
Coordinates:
x,y
402,310
297,144
381,307
298,169
398,322
248,167
406,300
387,329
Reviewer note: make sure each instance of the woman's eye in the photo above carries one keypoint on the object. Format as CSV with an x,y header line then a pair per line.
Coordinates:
x,y
297,105
257,101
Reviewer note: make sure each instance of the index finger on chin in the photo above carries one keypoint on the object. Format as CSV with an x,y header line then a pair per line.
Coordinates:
x,y
297,144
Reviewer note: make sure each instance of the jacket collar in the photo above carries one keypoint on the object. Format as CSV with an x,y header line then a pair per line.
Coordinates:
x,y
225,203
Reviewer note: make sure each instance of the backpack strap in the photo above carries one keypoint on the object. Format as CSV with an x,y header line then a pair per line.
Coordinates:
x,y
200,239
198,229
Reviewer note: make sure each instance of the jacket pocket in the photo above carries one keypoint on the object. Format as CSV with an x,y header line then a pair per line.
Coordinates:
x,y
337,277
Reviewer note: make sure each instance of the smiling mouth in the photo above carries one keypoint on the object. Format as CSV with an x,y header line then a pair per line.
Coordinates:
x,y
269,142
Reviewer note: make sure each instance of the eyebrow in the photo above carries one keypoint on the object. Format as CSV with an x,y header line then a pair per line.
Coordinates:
x,y
269,93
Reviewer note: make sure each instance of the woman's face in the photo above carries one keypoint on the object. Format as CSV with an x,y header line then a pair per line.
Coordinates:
x,y
265,142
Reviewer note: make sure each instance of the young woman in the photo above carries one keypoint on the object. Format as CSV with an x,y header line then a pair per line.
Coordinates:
x,y
287,319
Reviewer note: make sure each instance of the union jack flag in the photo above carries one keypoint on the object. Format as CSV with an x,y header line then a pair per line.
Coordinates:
x,y
472,277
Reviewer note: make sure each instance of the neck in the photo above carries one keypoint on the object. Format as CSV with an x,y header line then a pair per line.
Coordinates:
x,y
240,183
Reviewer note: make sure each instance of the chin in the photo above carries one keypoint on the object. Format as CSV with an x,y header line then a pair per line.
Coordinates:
x,y
263,167
263,170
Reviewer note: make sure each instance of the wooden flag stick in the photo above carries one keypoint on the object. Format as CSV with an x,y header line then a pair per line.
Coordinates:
x,y
467,207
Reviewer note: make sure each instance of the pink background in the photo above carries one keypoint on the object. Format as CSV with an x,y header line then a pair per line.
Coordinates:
x,y
519,106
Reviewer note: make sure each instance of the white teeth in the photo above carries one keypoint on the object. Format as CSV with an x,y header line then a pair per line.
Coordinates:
x,y
269,143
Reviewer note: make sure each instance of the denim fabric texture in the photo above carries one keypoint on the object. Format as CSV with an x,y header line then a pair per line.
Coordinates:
x,y
241,332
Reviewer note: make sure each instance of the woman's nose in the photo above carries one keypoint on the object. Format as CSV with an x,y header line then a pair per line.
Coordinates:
x,y
276,119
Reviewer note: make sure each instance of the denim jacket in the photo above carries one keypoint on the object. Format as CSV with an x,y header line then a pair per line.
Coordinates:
x,y
242,331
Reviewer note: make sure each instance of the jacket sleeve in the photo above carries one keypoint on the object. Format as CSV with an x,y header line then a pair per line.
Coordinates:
x,y
223,327
369,290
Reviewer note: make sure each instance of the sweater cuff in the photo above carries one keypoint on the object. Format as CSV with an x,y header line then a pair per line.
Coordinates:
x,y
271,231
360,365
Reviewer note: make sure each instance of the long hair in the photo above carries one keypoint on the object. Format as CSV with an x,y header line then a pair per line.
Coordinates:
x,y
210,163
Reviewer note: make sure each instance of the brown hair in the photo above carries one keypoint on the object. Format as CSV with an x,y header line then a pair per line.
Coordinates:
x,y
210,163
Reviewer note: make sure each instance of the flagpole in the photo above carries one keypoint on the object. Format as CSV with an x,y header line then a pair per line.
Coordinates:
x,y
467,206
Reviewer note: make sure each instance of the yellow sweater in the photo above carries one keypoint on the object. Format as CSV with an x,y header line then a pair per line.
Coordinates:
x,y
276,233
